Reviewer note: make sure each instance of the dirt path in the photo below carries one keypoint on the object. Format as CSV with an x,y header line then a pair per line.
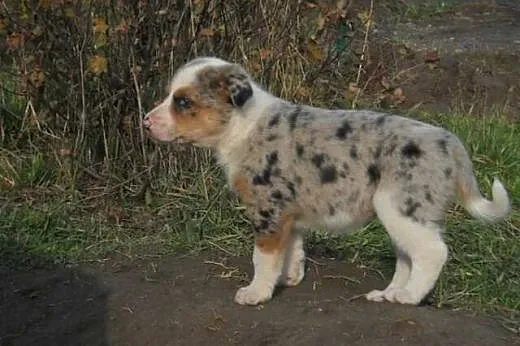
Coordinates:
x,y
474,50
188,301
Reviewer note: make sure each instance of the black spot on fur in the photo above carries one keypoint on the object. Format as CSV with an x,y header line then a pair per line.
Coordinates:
x,y
274,121
272,158
299,149
443,146
410,208
343,131
298,180
411,150
328,174
291,188
264,224
265,213
374,175
271,137
262,179
353,152
293,118
277,194
428,197
447,172
318,159
381,120
332,210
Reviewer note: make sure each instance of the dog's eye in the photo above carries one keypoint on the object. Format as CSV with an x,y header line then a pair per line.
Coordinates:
x,y
181,103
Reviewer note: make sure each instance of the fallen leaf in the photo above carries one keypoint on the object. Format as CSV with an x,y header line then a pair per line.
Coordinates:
x,y
15,40
431,56
100,25
315,50
398,94
98,64
208,32
37,77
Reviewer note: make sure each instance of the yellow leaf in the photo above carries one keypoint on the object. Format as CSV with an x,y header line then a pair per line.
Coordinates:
x,y
315,50
98,64
208,32
69,12
46,3
100,25
37,77
15,40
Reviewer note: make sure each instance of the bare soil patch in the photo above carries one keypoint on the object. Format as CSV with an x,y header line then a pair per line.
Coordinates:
x,y
188,301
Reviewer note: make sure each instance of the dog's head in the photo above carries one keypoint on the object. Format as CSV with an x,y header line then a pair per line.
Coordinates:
x,y
204,95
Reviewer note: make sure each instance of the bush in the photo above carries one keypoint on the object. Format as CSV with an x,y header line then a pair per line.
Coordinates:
x,y
86,71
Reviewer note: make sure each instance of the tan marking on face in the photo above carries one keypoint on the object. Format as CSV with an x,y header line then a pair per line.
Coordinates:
x,y
200,120
242,187
277,241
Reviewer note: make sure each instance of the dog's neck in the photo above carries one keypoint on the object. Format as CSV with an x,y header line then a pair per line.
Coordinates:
x,y
232,146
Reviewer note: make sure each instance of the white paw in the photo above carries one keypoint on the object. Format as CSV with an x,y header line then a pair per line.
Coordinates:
x,y
294,275
253,295
402,296
376,296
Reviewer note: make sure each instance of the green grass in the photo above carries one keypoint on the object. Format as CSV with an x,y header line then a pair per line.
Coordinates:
x,y
191,211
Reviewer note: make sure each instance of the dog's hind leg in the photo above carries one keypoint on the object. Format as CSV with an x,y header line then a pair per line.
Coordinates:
x,y
420,240
403,267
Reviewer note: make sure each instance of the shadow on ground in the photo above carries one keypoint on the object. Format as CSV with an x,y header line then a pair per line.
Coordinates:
x,y
49,305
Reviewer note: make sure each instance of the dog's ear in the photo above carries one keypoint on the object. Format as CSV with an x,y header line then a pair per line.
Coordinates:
x,y
230,81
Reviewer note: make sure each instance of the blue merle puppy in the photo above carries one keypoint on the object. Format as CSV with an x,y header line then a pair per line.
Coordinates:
x,y
296,167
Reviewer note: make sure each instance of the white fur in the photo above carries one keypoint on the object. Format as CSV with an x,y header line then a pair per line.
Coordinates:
x,y
421,243
268,269
231,149
490,211
294,268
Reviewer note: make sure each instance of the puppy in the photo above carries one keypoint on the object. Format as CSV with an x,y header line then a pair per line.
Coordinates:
x,y
296,167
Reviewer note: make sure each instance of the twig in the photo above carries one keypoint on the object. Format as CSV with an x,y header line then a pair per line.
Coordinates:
x,y
365,45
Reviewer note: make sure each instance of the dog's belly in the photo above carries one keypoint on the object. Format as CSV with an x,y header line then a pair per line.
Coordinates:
x,y
341,222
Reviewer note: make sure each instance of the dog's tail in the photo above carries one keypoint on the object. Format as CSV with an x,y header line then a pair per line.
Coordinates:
x,y
468,190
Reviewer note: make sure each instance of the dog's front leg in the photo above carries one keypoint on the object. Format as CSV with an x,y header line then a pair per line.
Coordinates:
x,y
268,260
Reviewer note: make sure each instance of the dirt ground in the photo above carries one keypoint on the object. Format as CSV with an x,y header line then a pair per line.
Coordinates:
x,y
188,301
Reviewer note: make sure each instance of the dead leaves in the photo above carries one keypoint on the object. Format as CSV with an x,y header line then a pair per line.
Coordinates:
x,y
36,77
15,41
315,51
98,64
